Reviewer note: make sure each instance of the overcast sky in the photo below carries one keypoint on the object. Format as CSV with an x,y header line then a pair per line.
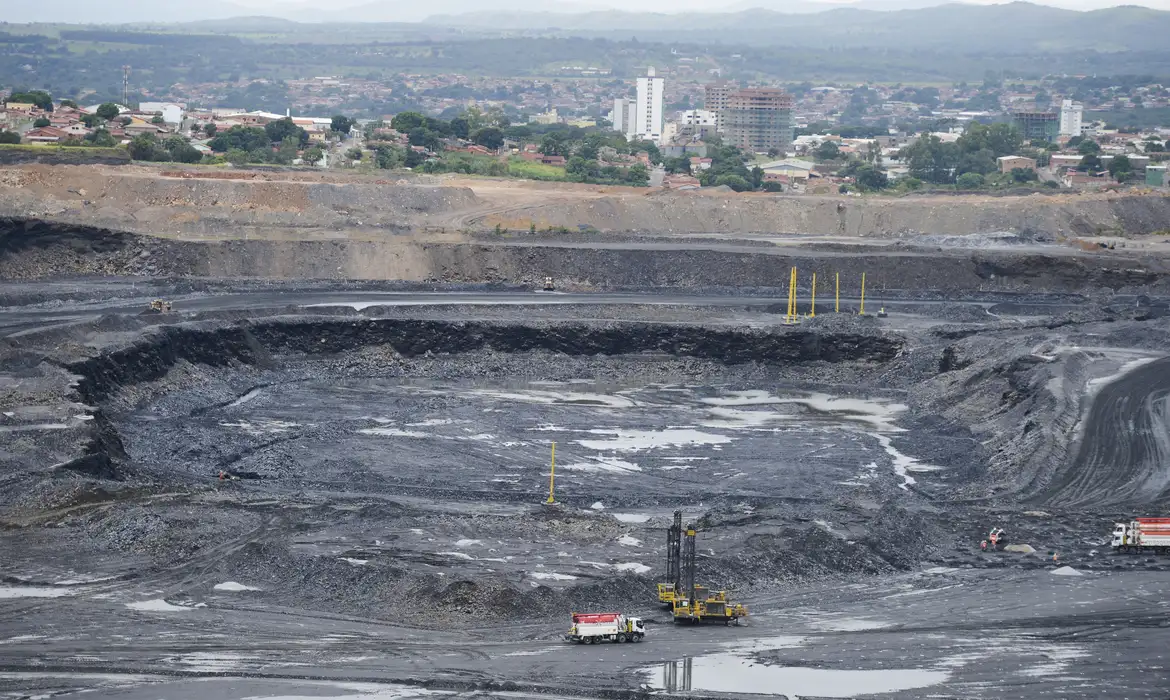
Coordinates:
x,y
714,5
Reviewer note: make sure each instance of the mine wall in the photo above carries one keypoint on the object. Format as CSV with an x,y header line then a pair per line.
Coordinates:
x,y
151,357
684,212
37,249
232,203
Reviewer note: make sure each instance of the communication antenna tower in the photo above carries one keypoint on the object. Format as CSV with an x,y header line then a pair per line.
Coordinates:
x,y
125,86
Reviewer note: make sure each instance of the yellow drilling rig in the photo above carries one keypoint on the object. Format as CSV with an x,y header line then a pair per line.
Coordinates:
x,y
688,601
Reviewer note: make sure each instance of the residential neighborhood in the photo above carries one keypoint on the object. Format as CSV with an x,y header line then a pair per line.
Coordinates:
x,y
790,138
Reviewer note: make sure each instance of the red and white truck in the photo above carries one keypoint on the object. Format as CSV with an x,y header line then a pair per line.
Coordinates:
x,y
595,628
1142,535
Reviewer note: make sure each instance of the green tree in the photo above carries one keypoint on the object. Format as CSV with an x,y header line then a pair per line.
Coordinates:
x,y
147,147
1024,175
489,137
681,164
108,111
757,177
931,160
209,129
354,154
101,137
735,182
237,156
388,157
41,122
68,104
460,127
9,137
828,150
90,120
282,129
998,139
286,153
1088,146
246,138
1120,168
580,169
413,159
1075,141
157,120
590,148
554,144
40,98
313,155
403,122
422,136
341,124
969,181
651,149
638,174
1091,163
868,177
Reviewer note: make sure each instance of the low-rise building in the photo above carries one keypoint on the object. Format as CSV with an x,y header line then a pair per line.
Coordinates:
x,y
791,169
1010,163
44,134
1065,160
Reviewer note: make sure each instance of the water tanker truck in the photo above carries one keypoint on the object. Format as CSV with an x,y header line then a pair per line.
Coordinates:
x,y
1142,535
595,628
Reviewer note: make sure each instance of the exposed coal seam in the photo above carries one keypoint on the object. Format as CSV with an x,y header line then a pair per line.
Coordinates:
x,y
153,356
255,342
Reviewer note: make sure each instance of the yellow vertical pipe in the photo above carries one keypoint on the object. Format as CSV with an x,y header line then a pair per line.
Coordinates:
x,y
552,474
812,308
862,312
792,296
837,306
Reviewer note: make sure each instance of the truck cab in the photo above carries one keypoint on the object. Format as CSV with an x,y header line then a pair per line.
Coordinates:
x,y
1119,535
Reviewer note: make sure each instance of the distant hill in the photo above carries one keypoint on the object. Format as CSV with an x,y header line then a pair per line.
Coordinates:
x,y
1019,27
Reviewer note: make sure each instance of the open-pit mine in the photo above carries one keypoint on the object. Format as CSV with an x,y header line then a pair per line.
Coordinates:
x,y
280,436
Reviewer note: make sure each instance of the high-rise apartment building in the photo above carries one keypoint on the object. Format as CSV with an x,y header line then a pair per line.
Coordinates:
x,y
1037,126
1071,118
623,116
648,108
758,120
715,96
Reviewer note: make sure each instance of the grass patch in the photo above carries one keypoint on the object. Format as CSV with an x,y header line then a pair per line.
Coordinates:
x,y
518,167
54,148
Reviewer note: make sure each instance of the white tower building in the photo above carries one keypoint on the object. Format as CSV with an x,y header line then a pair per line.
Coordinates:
x,y
1071,117
648,108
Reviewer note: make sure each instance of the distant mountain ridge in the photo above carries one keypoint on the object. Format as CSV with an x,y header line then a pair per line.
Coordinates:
x,y
1020,26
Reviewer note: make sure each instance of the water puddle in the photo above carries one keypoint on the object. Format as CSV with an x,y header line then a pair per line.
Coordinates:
x,y
731,673
850,625
631,517
623,440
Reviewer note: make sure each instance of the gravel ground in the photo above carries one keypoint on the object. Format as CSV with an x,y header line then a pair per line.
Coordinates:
x,y
387,468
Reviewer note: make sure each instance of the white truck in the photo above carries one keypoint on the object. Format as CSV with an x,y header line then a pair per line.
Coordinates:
x,y
595,628
1142,535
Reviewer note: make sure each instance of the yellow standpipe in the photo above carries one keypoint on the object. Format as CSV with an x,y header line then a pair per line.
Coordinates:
x,y
792,297
812,308
837,307
862,312
552,475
